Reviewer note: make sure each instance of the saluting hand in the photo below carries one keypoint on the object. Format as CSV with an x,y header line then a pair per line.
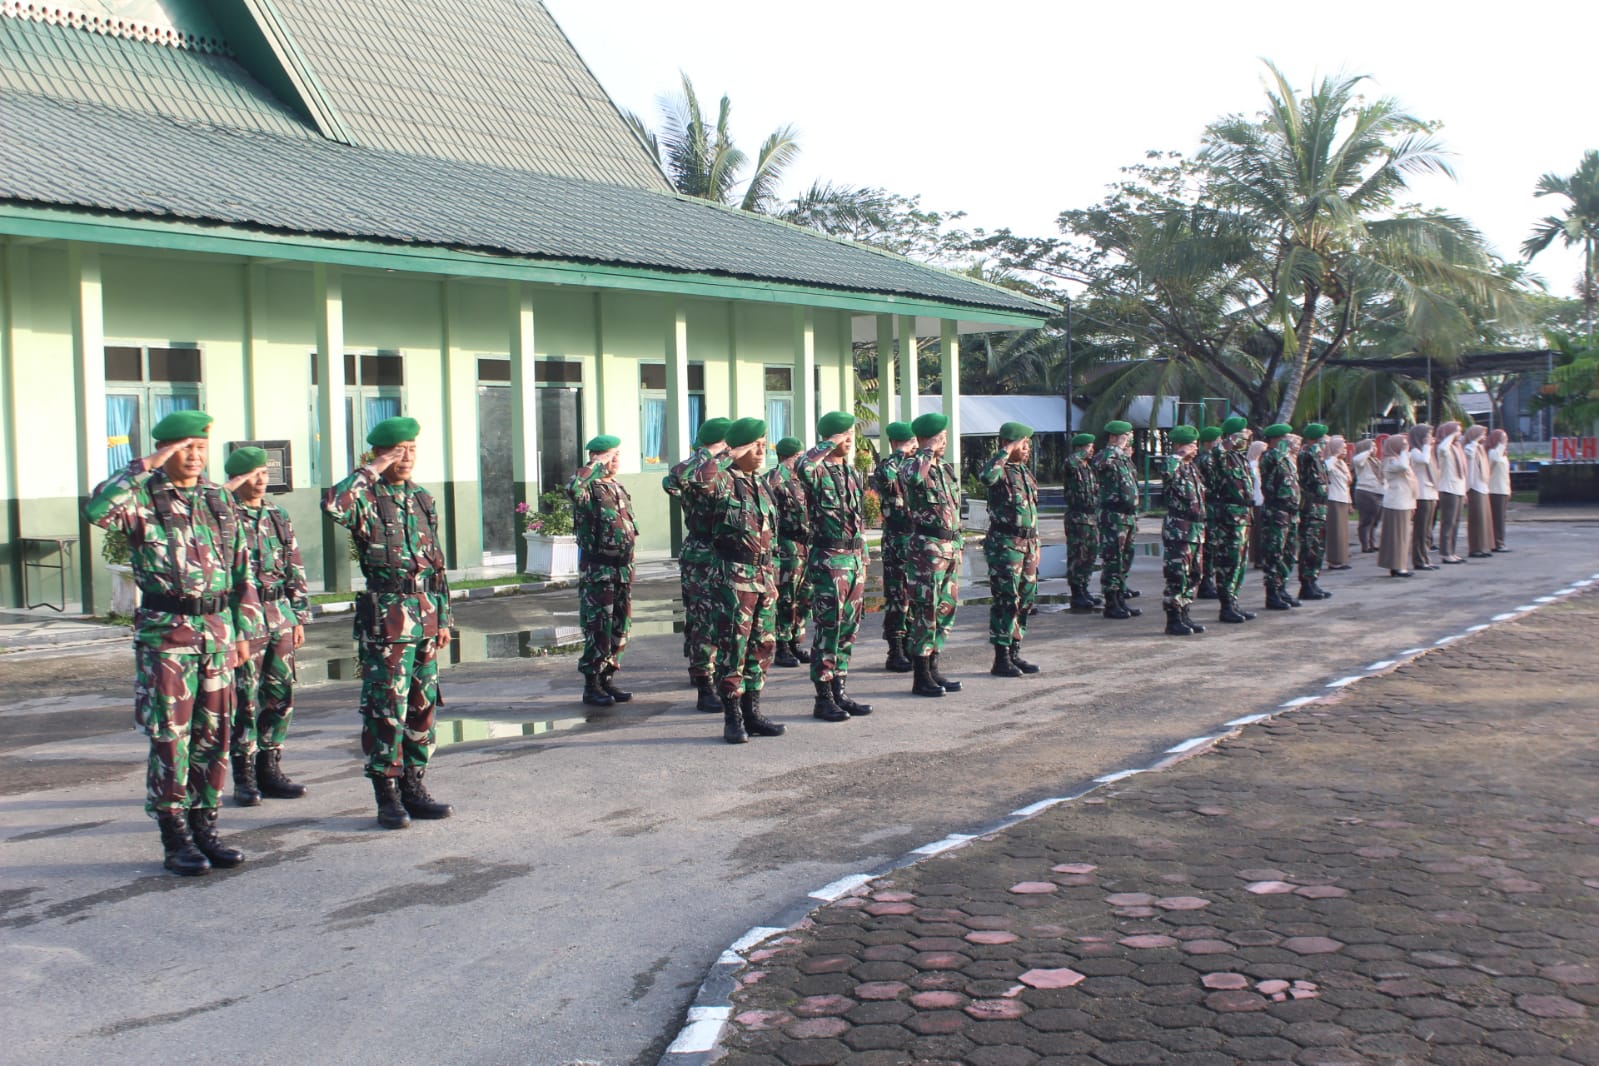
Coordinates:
x,y
382,459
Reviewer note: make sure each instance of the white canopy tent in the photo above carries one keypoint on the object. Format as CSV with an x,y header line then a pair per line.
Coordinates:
x,y
981,416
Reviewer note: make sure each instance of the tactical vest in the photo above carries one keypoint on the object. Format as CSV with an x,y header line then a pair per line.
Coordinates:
x,y
396,554
223,521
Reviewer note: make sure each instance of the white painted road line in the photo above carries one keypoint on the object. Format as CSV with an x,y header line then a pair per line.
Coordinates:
x,y
699,1035
1035,808
841,887
1343,681
1385,664
755,936
1300,702
1189,745
1249,719
1117,776
954,840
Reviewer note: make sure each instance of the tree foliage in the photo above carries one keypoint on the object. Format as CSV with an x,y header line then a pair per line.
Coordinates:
x,y
1578,226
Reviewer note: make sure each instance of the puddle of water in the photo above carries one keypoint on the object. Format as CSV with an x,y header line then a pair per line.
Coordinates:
x,y
448,731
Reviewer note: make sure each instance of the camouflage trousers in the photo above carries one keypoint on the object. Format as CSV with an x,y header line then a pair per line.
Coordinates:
x,y
1012,585
838,593
896,584
1207,558
1279,544
1183,563
264,695
934,568
1116,533
184,704
745,616
1082,547
1227,553
605,611
793,590
399,689
699,613
1312,542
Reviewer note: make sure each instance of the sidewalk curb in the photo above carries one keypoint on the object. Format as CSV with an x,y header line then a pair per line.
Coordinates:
x,y
699,1040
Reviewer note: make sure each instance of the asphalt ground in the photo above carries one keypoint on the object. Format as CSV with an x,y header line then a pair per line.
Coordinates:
x,y
598,865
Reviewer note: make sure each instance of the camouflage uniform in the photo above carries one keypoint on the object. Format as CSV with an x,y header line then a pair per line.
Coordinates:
x,y
933,498
1279,528
1203,463
1082,519
793,549
1182,534
696,564
264,684
1230,496
743,532
602,518
837,569
1118,520
1010,548
895,546
192,565
1312,515
397,618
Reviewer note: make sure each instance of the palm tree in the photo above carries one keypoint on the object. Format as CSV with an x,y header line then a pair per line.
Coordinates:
x,y
1579,225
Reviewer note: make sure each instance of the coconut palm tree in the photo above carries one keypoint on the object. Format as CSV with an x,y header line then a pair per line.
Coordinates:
x,y
1579,224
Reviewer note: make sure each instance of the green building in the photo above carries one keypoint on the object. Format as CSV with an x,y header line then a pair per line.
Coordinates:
x,y
307,215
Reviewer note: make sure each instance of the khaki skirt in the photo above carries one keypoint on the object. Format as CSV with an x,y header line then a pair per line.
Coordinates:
x,y
1393,551
1479,526
1337,533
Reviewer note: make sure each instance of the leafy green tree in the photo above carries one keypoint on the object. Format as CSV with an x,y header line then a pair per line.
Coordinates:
x,y
1579,225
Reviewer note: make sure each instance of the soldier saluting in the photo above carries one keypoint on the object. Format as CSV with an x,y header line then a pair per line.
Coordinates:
x,y
1279,517
1230,494
1011,548
1082,521
602,513
696,562
793,550
1118,519
933,497
265,678
192,567
896,543
402,620
1182,534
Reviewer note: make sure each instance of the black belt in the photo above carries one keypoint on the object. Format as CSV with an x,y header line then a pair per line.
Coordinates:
x,y
605,558
275,592
1012,531
189,605
410,585
743,556
839,544
796,536
897,524
937,532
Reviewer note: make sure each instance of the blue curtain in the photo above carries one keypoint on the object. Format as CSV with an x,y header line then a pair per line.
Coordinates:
x,y
163,404
121,418
378,408
777,420
696,415
654,412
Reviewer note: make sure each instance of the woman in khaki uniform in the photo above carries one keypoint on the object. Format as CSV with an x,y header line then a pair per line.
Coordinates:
x,y
1340,483
1499,483
1368,493
1422,465
1479,526
1398,506
1450,460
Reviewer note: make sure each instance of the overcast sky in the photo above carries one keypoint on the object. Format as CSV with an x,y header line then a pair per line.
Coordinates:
x,y
1013,110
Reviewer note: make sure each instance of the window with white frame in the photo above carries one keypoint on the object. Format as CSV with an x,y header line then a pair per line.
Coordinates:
x,y
143,386
652,409
374,389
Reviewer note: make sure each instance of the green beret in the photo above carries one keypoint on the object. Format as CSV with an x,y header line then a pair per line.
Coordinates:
x,y
1314,431
1276,429
834,423
181,425
244,460
1082,439
392,431
1183,435
1235,424
1117,427
1209,434
788,446
900,431
1015,431
603,443
713,431
745,431
930,425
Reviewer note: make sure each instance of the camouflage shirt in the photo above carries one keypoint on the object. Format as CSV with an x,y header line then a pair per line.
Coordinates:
x,y
792,502
932,494
184,542
397,543
1082,485
1118,487
602,517
1312,481
834,493
1184,494
891,494
697,518
744,522
1279,479
1012,495
276,570
1230,488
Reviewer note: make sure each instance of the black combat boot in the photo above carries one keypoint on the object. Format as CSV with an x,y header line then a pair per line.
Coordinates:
x,y
709,702
183,858
1207,589
1275,601
1003,667
1017,661
203,825
799,653
1082,601
274,783
1189,621
1114,607
938,678
414,796
825,708
1309,591
755,724
841,698
1174,623
1321,593
1230,612
924,684
898,662
617,695
733,721
391,812
1130,594
593,694
784,656
245,792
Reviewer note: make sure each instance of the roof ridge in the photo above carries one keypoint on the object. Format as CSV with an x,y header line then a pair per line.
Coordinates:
x,y
108,26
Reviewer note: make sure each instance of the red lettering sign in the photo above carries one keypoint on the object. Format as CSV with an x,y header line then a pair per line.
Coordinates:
x,y
1574,449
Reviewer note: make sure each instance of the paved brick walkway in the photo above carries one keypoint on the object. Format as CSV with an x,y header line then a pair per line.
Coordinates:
x,y
1409,874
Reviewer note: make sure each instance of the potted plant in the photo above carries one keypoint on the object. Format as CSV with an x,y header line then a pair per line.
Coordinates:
x,y
551,547
124,593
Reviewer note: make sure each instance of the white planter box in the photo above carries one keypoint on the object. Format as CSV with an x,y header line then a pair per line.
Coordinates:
x,y
976,515
551,557
124,593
